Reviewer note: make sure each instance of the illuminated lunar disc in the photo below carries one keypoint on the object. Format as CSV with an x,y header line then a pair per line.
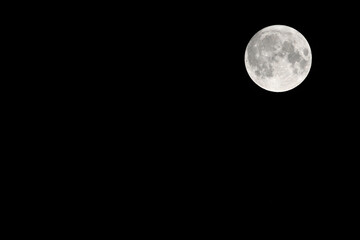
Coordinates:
x,y
278,58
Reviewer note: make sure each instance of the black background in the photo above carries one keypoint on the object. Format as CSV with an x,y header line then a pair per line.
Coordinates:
x,y
178,120
158,101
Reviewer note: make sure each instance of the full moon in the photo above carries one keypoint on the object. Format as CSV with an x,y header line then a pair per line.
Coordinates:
x,y
278,58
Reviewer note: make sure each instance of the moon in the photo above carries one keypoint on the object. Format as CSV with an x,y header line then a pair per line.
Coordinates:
x,y
278,58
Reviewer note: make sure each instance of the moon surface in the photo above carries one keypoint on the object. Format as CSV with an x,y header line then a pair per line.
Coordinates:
x,y
278,58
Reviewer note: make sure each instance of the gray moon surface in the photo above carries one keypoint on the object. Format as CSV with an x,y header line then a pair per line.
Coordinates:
x,y
278,58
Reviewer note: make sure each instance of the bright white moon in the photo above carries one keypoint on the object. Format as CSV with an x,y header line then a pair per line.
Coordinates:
x,y
278,58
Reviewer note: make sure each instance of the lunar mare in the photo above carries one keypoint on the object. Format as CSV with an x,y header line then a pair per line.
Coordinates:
x,y
278,58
